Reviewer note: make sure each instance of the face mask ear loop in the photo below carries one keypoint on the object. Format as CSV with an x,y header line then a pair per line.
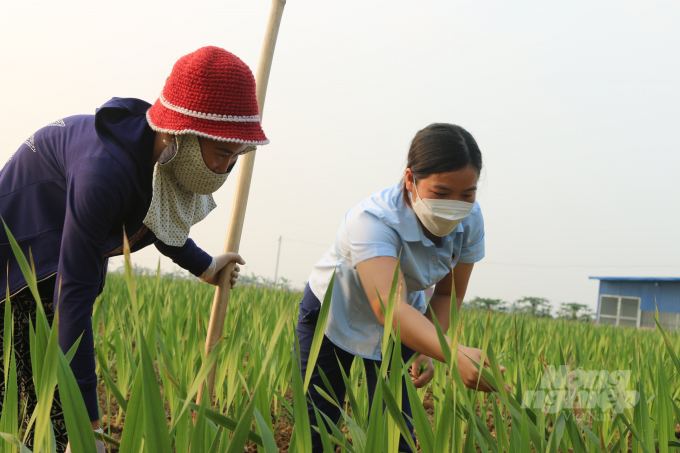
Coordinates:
x,y
415,187
170,142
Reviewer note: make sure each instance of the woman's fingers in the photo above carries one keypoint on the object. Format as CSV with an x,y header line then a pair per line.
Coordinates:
x,y
422,371
420,382
235,257
474,382
234,276
484,385
224,258
470,370
471,373
220,262
424,378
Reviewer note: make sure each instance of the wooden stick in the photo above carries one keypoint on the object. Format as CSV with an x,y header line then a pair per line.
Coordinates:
x,y
238,211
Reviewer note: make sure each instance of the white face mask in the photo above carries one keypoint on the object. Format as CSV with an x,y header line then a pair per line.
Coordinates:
x,y
440,217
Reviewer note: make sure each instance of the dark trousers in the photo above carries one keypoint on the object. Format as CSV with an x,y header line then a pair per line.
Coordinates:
x,y
24,308
328,362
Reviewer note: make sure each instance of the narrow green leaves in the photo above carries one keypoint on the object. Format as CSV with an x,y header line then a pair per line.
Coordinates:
x,y
81,436
319,333
243,428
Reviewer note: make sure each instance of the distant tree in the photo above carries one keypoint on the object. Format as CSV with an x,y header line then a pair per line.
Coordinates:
x,y
284,284
259,281
534,306
481,303
575,312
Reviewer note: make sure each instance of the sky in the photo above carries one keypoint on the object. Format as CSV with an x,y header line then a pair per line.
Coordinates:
x,y
574,104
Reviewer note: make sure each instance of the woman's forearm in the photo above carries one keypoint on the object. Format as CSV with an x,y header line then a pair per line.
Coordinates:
x,y
418,332
440,303
440,306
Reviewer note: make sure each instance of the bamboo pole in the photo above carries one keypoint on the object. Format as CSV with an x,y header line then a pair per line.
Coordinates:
x,y
238,211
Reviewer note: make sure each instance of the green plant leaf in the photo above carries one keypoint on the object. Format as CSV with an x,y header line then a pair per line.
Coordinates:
x,y
240,436
268,441
319,333
15,442
80,434
133,433
226,422
395,412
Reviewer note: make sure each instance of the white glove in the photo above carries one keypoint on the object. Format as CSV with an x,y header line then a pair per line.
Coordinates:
x,y
209,272
218,262
101,448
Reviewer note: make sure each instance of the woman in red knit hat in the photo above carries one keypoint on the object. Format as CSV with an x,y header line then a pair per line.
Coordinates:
x,y
74,185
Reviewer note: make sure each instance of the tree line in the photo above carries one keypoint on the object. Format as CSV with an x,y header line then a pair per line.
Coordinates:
x,y
533,306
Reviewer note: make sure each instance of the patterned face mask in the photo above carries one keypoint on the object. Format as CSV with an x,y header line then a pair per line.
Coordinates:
x,y
190,170
182,188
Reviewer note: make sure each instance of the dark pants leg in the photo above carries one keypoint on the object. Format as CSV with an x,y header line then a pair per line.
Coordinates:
x,y
329,356
24,308
330,359
372,381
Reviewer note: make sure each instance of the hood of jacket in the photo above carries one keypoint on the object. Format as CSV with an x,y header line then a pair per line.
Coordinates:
x,y
122,128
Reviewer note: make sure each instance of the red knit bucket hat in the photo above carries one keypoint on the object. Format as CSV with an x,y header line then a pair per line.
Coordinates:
x,y
210,93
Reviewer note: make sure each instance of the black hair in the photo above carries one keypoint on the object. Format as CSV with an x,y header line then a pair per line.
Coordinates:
x,y
439,148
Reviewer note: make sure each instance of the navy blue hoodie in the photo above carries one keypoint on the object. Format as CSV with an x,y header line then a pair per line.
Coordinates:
x,y
66,195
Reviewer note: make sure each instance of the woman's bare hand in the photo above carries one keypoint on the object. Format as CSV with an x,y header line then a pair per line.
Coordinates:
x,y
422,371
468,370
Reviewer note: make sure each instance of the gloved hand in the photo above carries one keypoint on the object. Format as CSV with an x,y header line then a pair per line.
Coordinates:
x,y
218,262
101,448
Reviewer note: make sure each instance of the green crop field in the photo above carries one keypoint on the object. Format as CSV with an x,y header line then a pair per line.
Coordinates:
x,y
622,392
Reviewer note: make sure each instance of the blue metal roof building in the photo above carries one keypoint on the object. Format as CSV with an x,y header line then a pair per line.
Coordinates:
x,y
631,301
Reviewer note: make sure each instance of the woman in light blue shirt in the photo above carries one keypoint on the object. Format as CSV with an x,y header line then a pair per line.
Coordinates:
x,y
433,219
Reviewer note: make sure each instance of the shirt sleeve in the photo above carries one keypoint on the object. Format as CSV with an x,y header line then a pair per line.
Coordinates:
x,y
93,200
368,237
189,256
473,237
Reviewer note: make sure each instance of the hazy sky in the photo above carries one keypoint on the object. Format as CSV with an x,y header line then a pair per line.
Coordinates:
x,y
575,105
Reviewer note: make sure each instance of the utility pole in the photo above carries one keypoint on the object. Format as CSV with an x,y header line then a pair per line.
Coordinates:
x,y
278,255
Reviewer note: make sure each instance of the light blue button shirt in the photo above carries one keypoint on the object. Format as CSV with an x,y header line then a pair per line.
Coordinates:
x,y
382,225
